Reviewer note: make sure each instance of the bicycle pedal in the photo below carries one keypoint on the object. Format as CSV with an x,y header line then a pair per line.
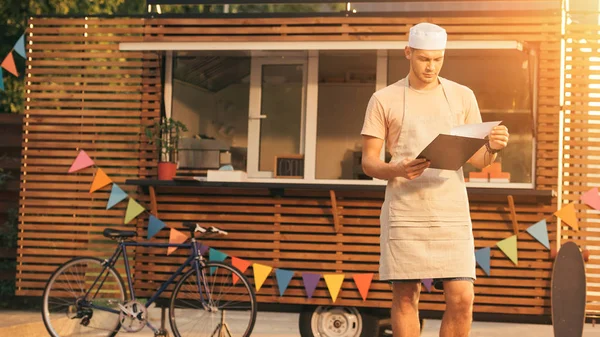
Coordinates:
x,y
161,333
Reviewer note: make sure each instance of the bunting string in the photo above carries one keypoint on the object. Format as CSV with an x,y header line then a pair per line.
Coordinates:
x,y
310,280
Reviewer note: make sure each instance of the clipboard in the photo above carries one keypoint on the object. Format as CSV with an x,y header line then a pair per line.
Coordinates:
x,y
447,152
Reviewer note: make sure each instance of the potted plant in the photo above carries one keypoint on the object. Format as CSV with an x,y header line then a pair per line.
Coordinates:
x,y
165,135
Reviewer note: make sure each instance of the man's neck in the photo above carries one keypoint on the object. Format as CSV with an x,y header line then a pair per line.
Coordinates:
x,y
417,84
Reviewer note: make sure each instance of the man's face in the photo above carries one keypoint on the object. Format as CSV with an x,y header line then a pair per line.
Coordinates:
x,y
425,64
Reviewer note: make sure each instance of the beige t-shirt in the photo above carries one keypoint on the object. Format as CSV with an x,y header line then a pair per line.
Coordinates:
x,y
383,118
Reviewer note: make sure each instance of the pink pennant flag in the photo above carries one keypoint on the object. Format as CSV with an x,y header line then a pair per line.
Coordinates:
x,y
592,198
82,161
9,64
427,283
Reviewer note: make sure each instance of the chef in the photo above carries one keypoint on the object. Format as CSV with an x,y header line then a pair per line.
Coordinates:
x,y
426,230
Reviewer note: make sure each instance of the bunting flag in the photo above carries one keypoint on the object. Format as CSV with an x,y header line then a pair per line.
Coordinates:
x,y
133,210
116,196
1,81
154,226
202,248
215,255
9,64
261,272
428,282
363,283
100,180
539,231
310,282
592,198
283,279
567,215
482,256
82,161
19,46
334,284
240,264
509,247
175,237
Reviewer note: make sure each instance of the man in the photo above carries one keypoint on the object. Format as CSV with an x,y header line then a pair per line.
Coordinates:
x,y
426,229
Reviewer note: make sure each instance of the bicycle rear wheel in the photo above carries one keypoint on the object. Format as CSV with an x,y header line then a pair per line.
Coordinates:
x,y
229,310
75,304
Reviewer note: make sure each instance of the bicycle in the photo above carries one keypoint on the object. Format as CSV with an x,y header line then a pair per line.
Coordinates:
x,y
90,298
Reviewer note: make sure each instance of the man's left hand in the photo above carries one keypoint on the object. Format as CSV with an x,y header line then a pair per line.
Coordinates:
x,y
498,137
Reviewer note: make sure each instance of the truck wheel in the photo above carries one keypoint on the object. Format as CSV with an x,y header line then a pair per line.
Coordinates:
x,y
325,321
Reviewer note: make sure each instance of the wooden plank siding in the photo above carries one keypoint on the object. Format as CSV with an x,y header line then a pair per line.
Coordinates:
x,y
294,231
581,142
81,93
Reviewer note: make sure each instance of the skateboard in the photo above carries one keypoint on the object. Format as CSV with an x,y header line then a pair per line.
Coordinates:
x,y
568,292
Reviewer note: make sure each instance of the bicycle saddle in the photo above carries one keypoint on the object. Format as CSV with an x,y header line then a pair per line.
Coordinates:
x,y
115,234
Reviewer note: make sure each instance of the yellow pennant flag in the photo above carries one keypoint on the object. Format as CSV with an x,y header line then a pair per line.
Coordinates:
x,y
133,210
567,215
509,247
100,180
334,283
261,272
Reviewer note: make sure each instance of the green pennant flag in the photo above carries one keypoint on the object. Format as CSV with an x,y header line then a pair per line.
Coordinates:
x,y
133,210
509,247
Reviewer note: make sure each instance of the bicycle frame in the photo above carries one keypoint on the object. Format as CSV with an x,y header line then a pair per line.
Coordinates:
x,y
195,259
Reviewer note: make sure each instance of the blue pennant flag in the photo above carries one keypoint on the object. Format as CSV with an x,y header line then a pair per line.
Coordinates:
x,y
116,196
215,255
1,80
154,226
19,47
539,231
283,279
482,256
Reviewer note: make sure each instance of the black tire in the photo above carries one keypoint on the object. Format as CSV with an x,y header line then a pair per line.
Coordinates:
x,y
243,285
74,294
347,322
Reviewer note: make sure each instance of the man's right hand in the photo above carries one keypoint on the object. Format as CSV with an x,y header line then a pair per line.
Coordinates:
x,y
412,168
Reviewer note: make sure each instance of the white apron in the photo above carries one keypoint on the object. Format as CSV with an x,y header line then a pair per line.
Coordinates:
x,y
426,229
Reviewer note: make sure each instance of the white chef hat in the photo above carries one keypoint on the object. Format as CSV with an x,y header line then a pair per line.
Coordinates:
x,y
427,36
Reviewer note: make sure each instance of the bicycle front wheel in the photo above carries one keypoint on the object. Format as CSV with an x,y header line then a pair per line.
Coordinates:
x,y
81,299
225,308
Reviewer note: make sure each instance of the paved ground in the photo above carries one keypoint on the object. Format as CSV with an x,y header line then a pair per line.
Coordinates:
x,y
269,324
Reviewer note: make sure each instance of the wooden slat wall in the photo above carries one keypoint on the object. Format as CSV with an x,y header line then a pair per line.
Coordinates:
x,y
82,93
296,231
293,231
581,139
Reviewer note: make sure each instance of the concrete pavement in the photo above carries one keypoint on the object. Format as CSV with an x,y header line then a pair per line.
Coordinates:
x,y
270,324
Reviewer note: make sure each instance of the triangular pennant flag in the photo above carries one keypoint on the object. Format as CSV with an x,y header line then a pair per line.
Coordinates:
x,y
202,248
82,161
509,247
100,180
19,46
482,256
1,81
592,198
283,279
133,210
240,264
567,214
310,282
427,282
261,272
215,255
175,237
334,284
363,283
116,196
154,226
9,64
539,231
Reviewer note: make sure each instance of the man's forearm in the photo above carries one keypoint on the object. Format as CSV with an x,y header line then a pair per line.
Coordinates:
x,y
482,158
377,168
